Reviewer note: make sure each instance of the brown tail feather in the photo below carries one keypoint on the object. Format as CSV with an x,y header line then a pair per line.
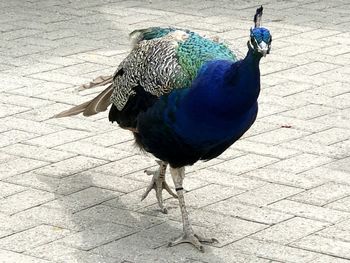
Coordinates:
x,y
73,111
92,107
100,103
99,81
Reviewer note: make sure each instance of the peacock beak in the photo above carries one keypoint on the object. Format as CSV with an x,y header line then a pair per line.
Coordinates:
x,y
263,48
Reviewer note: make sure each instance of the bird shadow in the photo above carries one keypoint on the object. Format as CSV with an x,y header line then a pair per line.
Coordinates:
x,y
121,227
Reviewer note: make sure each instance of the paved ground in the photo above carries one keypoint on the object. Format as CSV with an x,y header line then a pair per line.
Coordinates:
x,y
70,189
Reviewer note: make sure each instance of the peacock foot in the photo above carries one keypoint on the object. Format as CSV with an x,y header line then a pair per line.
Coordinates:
x,y
193,239
158,183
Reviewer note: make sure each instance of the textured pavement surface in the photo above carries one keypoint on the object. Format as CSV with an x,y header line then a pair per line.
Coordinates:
x,y
70,188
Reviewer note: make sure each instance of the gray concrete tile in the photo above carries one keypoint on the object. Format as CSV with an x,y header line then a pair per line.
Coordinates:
x,y
273,251
82,199
298,180
248,212
57,252
342,204
324,245
37,152
320,196
300,163
24,200
267,194
120,216
31,238
56,217
7,189
84,177
13,257
244,164
309,211
61,186
289,230
96,236
58,138
18,166
70,166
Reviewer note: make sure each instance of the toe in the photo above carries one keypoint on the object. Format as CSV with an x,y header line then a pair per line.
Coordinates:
x,y
148,190
167,188
150,172
192,239
206,240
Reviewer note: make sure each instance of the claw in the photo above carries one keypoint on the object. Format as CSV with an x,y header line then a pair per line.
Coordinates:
x,y
166,187
193,239
158,183
151,172
206,240
148,190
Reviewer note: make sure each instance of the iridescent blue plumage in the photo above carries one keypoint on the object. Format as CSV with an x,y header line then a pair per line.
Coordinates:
x,y
201,121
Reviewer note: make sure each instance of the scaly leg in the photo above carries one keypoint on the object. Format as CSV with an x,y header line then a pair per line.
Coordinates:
x,y
188,235
158,183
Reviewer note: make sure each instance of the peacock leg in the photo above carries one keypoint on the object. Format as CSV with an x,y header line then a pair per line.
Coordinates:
x,y
158,183
188,235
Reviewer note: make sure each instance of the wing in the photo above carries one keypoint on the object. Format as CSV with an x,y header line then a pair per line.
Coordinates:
x,y
162,59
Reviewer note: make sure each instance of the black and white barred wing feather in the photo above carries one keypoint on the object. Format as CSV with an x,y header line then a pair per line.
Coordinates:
x,y
152,64
162,59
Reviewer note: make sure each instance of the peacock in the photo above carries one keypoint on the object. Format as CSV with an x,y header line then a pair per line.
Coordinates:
x,y
185,98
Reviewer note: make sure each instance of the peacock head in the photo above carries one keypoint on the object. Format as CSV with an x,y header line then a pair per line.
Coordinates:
x,y
260,37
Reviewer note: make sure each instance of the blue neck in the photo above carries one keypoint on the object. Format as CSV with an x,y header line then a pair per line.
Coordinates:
x,y
225,86
222,100
241,86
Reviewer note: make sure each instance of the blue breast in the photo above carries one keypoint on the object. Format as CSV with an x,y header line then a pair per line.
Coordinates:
x,y
212,110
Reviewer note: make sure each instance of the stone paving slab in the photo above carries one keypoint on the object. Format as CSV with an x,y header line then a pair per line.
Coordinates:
x,y
70,189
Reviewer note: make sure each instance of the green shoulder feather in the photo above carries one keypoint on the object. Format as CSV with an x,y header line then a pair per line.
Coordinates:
x,y
149,33
197,50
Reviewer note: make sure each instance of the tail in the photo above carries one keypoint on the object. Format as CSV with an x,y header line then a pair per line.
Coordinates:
x,y
92,107
97,82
